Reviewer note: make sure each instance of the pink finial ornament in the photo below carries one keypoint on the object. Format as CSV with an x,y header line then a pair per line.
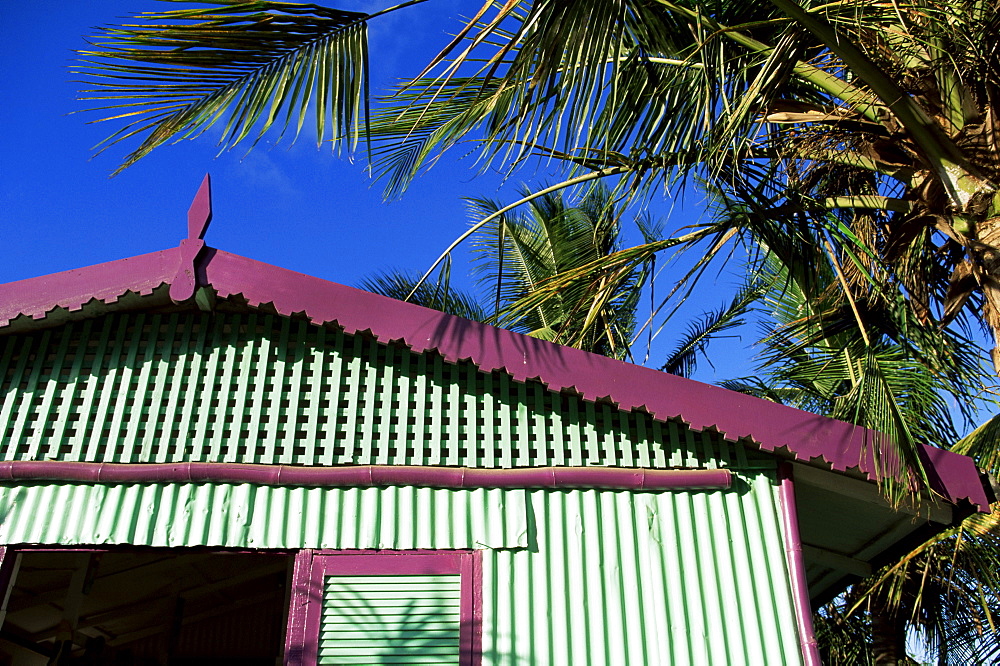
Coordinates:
x,y
200,212
185,281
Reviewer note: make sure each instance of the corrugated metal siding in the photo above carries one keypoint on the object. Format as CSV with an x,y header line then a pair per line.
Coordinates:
x,y
248,516
266,389
391,620
569,577
641,578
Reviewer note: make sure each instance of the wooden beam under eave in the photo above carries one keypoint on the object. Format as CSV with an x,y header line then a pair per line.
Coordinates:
x,y
865,491
817,555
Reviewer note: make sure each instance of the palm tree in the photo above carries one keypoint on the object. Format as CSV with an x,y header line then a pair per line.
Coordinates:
x,y
519,251
880,115
815,358
439,295
895,98
872,120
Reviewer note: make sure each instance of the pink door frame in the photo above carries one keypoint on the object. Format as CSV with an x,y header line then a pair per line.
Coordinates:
x,y
305,603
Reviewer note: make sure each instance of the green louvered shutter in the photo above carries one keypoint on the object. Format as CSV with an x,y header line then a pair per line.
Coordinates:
x,y
391,620
385,607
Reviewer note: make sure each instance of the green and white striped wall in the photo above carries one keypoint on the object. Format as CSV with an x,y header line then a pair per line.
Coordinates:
x,y
569,576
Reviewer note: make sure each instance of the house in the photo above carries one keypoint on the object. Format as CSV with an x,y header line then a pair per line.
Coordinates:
x,y
210,460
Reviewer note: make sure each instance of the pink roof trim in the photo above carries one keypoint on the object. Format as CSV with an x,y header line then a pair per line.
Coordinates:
x,y
71,290
805,436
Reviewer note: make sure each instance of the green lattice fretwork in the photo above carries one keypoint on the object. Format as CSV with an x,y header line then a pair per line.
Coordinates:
x,y
266,389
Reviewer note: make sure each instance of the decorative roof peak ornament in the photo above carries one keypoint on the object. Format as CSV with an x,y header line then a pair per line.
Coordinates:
x,y
200,212
185,283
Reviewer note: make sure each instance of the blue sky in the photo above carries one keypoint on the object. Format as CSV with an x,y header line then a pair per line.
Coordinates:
x,y
295,206
298,207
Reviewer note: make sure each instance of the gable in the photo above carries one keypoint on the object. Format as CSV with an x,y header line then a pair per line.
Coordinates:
x,y
260,388
193,273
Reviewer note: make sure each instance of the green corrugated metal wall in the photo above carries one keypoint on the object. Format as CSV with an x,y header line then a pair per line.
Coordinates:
x,y
569,577
678,579
266,389
249,516
391,620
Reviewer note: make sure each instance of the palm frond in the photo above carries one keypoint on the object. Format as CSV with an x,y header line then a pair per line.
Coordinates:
x,y
844,639
243,66
439,295
587,79
948,588
683,360
983,444
519,251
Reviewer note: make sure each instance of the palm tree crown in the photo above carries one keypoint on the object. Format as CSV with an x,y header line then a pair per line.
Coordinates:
x,y
518,252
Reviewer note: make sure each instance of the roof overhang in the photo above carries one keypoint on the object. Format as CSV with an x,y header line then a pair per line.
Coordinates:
x,y
848,529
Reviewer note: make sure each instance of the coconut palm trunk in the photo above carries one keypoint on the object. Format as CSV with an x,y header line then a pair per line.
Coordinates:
x,y
888,637
985,255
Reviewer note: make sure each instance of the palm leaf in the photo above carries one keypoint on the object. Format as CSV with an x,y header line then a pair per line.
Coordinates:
x,y
244,66
440,295
983,444
683,360
519,251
